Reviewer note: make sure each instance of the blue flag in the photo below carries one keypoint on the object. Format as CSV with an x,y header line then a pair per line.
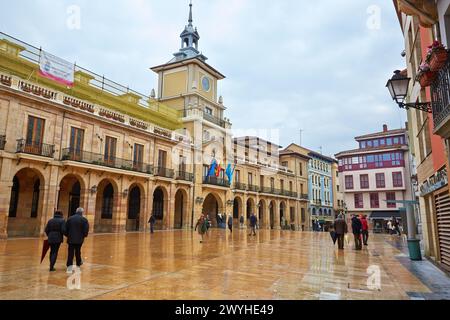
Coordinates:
x,y
212,169
229,172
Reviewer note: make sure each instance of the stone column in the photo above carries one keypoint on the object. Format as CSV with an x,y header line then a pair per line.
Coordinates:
x,y
49,198
5,195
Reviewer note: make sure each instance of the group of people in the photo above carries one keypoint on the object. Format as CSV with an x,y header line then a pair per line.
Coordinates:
x,y
204,223
360,230
394,226
76,229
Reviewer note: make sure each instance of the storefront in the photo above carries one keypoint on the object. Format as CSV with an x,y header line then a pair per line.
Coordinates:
x,y
380,219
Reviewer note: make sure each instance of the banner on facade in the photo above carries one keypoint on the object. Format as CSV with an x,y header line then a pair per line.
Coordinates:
x,y
56,69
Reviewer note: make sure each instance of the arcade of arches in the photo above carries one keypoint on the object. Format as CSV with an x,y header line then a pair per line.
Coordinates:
x,y
117,204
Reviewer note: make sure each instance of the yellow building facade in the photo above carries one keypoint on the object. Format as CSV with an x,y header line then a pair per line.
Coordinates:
x,y
123,156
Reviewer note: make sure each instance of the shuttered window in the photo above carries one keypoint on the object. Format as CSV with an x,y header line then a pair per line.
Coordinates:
x,y
442,203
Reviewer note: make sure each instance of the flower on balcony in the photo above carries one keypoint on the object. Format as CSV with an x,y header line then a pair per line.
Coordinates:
x,y
424,75
436,56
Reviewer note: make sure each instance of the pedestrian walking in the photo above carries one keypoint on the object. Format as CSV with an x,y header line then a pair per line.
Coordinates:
x,y
340,227
202,226
55,234
76,230
230,223
241,221
356,229
152,222
253,222
208,223
365,229
396,226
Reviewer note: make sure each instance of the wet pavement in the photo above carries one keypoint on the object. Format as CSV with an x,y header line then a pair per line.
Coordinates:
x,y
175,265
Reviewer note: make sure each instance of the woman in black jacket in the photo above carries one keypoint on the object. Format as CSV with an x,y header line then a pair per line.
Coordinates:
x,y
55,231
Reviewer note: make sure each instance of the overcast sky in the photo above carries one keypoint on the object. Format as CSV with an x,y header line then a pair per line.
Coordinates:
x,y
320,66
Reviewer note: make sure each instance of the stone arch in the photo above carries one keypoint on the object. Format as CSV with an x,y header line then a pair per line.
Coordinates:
x,y
250,207
135,207
160,205
212,206
181,208
237,209
106,205
262,213
272,214
26,203
71,194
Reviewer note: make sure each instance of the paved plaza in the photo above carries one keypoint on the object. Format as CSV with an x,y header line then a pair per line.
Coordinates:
x,y
174,265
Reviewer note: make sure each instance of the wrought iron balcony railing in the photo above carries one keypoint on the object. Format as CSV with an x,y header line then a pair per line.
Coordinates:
x,y
440,95
216,181
36,148
240,186
164,172
252,188
70,154
183,175
2,142
213,119
304,196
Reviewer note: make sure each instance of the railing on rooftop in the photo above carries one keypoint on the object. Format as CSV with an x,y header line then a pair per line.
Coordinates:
x,y
32,54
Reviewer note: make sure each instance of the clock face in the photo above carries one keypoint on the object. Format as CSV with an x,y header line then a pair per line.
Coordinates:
x,y
206,84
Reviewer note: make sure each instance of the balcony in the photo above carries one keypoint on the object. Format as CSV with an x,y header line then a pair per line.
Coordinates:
x,y
213,119
36,148
304,196
252,188
240,186
440,97
164,172
70,154
185,176
216,181
2,142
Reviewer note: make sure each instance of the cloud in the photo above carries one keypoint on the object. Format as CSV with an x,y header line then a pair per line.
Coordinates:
x,y
290,64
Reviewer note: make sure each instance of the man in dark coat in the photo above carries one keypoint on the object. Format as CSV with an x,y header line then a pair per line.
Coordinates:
x,y
77,228
253,221
340,227
152,222
230,223
55,234
357,229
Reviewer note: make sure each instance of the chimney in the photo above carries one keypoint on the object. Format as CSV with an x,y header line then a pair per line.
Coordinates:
x,y
385,128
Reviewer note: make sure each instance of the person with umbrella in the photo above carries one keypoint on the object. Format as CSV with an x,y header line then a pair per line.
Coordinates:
x,y
55,234
77,228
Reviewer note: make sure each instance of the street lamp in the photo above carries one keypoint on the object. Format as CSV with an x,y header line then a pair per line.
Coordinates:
x,y
398,88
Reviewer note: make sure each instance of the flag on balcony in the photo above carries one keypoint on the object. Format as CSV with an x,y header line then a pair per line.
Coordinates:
x,y
212,168
229,172
218,168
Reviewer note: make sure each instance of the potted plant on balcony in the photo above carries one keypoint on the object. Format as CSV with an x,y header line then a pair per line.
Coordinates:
x,y
436,56
425,76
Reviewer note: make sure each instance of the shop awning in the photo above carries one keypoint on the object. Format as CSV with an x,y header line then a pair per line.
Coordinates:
x,y
385,215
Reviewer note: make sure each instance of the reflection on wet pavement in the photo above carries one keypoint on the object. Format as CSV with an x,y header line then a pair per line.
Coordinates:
x,y
174,265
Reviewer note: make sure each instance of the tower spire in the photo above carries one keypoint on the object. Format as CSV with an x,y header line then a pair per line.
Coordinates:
x,y
190,13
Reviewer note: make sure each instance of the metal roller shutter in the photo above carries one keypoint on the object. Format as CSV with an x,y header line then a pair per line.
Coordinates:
x,y
442,202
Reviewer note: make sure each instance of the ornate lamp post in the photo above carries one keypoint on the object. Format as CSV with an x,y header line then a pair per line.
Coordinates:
x,y
398,88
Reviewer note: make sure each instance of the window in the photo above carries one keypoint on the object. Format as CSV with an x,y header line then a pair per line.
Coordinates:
x,y
162,156
208,111
284,164
282,185
348,182
390,196
380,180
359,200
290,186
363,144
206,170
272,183
374,201
250,178
110,149
138,154
364,181
397,179
261,181
237,176
76,141
182,164
301,168
389,141
35,135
